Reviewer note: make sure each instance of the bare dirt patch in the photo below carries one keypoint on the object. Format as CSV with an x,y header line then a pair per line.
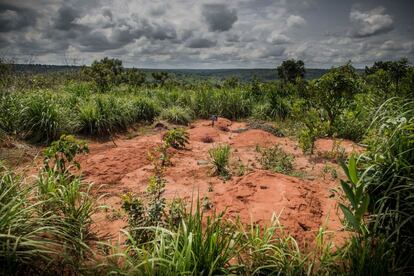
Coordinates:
x,y
304,203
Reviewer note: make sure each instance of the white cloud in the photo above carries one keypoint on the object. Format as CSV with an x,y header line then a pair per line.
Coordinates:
x,y
367,23
277,38
295,21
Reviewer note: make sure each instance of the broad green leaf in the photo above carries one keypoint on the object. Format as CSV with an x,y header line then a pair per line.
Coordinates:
x,y
350,217
349,194
352,170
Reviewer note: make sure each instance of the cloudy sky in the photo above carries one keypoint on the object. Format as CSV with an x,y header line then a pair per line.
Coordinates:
x,y
207,34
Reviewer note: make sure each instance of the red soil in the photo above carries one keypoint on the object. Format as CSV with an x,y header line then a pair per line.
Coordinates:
x,y
304,204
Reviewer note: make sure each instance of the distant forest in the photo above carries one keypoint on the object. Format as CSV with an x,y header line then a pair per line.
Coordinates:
x,y
242,74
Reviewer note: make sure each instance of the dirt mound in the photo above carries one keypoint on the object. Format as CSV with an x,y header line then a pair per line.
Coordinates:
x,y
253,137
257,196
201,133
254,196
328,145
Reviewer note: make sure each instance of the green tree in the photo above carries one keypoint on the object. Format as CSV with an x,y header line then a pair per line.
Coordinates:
x,y
335,90
105,73
290,70
160,77
134,77
396,69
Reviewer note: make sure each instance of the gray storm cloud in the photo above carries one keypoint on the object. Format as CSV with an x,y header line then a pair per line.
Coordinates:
x,y
206,33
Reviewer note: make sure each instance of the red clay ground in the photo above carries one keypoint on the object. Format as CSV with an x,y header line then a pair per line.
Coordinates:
x,y
304,203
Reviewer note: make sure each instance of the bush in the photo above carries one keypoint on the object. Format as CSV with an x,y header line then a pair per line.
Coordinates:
x,y
42,119
105,73
104,115
177,115
176,138
276,160
144,109
219,158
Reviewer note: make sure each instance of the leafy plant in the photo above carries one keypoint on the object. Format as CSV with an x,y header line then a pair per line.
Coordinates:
x,y
357,197
276,160
219,158
105,73
62,152
176,138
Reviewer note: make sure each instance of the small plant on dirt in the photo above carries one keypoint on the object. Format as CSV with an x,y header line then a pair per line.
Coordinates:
x,y
219,158
206,203
276,160
240,168
307,138
176,138
61,154
329,170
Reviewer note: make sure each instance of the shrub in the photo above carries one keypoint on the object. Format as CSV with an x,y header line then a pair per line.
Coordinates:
x,y
41,119
104,115
61,153
233,103
219,158
276,160
144,109
262,111
177,115
105,73
176,138
334,91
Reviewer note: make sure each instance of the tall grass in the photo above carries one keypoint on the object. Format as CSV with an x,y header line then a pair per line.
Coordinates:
x,y
24,239
390,175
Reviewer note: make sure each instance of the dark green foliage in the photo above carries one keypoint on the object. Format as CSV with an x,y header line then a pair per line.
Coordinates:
x,y
231,82
334,91
396,70
176,138
61,153
105,73
134,77
160,77
291,70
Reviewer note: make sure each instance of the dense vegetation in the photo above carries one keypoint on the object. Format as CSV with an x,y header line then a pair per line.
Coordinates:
x,y
45,224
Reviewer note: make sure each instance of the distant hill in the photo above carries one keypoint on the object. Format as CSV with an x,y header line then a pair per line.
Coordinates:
x,y
242,74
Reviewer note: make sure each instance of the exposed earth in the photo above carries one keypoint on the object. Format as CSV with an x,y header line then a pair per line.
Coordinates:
x,y
304,202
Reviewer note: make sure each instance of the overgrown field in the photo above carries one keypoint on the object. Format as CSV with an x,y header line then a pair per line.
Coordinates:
x,y
46,222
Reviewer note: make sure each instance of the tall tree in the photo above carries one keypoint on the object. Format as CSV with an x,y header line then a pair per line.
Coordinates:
x,y
290,70
396,69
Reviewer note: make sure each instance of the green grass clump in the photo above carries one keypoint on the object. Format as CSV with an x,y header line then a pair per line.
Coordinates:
x,y
42,119
276,160
220,158
144,110
177,115
23,242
